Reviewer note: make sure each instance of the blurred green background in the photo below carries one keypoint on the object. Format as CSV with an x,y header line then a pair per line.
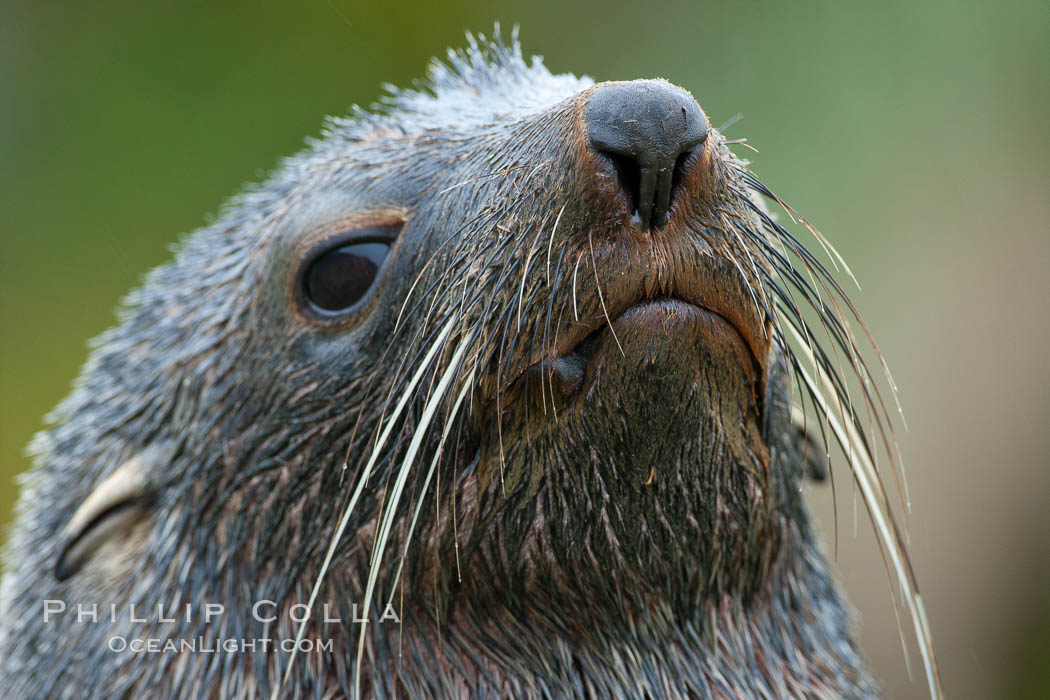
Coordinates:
x,y
914,134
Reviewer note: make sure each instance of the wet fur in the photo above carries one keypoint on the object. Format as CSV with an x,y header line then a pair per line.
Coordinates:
x,y
542,562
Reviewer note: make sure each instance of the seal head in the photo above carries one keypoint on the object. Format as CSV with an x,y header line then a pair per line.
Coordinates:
x,y
502,354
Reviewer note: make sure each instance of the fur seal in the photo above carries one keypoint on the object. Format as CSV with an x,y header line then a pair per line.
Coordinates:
x,y
488,393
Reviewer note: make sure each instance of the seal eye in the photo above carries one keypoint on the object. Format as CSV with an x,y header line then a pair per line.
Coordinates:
x,y
338,278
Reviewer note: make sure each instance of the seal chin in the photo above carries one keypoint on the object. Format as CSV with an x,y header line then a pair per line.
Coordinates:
x,y
660,362
663,381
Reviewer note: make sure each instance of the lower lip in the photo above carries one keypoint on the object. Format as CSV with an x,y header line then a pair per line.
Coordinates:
x,y
667,327
667,318
659,314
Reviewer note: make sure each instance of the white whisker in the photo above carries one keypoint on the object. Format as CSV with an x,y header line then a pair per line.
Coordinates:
x,y
550,245
467,385
878,508
366,472
601,298
390,512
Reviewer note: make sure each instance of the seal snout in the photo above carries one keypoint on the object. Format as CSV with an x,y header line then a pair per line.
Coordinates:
x,y
647,128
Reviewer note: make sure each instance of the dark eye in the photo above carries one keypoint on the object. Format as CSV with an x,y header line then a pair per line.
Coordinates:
x,y
338,278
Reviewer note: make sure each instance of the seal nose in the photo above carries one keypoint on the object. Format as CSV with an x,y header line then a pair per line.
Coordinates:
x,y
647,128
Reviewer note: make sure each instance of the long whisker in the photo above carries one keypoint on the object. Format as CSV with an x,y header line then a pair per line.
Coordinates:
x,y
468,382
801,250
886,527
395,495
575,269
834,319
525,272
601,298
550,245
828,391
362,480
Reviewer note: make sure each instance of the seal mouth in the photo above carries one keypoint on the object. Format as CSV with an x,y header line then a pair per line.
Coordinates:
x,y
583,339
645,311
732,319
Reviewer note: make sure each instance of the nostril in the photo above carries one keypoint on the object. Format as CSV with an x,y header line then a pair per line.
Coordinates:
x,y
628,176
649,191
681,167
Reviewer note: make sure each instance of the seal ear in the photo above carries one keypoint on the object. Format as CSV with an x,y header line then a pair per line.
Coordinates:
x,y
810,448
119,502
